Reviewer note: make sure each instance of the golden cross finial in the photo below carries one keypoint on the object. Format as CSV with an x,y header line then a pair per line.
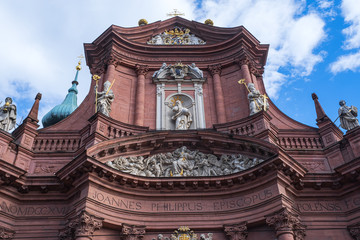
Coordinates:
x,y
176,13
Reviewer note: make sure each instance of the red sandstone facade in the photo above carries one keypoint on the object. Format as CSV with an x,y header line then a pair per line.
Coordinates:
x,y
55,185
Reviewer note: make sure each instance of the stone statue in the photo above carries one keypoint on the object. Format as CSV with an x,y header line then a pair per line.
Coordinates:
x,y
195,69
105,99
183,163
162,68
256,100
182,116
348,116
7,115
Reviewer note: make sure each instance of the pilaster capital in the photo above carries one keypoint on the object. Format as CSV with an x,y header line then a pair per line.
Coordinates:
x,y
83,225
98,70
237,231
141,69
286,221
131,232
215,69
112,60
6,233
355,231
244,60
258,72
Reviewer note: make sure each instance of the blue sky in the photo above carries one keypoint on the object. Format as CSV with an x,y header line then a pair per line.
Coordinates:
x,y
314,46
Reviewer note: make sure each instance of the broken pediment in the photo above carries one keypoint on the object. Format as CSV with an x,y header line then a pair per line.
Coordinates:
x,y
176,36
178,71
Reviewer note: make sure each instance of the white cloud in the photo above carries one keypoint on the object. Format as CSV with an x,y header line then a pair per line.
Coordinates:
x,y
351,12
346,62
292,34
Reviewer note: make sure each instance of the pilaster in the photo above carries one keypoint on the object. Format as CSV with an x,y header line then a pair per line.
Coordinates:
x,y
236,232
286,225
141,71
219,95
131,232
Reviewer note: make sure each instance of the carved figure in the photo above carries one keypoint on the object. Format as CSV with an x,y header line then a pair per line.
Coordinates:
x,y
256,100
183,163
348,116
182,116
176,36
8,115
195,69
105,99
162,68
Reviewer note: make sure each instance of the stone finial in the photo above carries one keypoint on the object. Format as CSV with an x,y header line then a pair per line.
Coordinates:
x,y
33,114
131,232
320,113
284,221
237,231
85,224
142,22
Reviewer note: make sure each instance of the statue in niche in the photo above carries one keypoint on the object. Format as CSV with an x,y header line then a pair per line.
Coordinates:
x,y
105,99
257,102
348,116
194,68
8,115
182,116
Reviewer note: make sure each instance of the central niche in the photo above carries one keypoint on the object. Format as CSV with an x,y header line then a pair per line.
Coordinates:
x,y
179,100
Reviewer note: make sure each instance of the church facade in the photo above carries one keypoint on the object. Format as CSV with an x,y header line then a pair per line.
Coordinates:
x,y
177,139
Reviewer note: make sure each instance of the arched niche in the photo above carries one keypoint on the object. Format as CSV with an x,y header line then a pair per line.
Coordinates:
x,y
187,102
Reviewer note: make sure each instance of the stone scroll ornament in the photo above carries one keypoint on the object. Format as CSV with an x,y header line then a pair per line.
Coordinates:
x,y
178,71
183,163
176,36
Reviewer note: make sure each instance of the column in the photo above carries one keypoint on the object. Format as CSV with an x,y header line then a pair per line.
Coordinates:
x,y
160,95
199,105
219,96
286,225
236,232
131,232
141,71
81,227
111,62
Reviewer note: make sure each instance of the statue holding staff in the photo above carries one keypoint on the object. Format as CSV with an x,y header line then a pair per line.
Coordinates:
x,y
347,116
8,115
104,99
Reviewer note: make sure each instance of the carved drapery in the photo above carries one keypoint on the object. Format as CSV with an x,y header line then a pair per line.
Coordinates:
x,y
287,225
131,232
141,71
219,95
236,232
355,231
6,233
81,227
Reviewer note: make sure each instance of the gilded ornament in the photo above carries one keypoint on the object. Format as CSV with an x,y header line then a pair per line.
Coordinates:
x,y
209,22
142,22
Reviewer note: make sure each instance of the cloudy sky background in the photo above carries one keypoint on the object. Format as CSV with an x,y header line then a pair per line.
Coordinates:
x,y
314,46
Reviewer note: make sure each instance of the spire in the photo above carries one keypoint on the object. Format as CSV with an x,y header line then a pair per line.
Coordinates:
x,y
69,104
320,113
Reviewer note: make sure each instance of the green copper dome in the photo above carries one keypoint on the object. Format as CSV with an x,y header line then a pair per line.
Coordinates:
x,y
63,110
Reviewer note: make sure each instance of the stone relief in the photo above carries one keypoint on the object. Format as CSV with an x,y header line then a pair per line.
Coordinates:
x,y
183,163
8,115
178,71
184,233
348,116
176,36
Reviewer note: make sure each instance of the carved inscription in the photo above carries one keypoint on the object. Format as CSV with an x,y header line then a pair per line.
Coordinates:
x,y
328,206
182,206
16,210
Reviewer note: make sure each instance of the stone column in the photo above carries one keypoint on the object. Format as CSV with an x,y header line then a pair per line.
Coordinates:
x,y
81,227
236,232
355,231
219,95
131,232
286,225
141,71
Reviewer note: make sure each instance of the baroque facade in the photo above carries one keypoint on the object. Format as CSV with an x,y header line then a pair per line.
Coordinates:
x,y
178,149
